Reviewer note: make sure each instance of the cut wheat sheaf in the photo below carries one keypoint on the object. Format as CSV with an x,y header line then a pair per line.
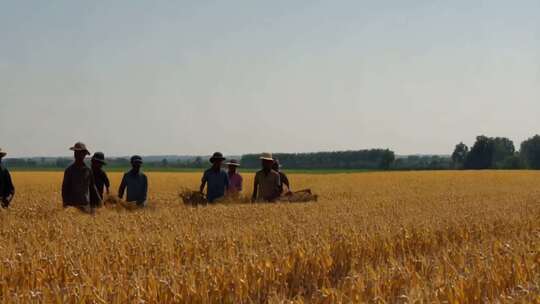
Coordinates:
x,y
442,237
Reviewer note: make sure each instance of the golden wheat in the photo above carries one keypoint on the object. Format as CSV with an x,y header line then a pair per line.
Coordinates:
x,y
443,237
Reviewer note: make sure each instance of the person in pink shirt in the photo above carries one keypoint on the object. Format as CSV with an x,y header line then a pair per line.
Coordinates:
x,y
235,179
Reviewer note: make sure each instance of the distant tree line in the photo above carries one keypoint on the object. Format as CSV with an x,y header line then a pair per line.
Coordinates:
x,y
422,162
485,153
374,159
120,162
497,153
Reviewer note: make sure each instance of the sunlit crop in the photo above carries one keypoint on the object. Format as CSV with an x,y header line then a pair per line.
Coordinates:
x,y
447,237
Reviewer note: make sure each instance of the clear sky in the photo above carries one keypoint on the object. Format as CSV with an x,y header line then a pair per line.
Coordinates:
x,y
193,77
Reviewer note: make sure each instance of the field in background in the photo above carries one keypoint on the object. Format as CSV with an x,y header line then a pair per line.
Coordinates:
x,y
453,237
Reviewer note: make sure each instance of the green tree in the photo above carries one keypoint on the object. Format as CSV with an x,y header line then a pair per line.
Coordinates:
x,y
530,152
387,159
512,162
503,151
490,153
459,155
481,154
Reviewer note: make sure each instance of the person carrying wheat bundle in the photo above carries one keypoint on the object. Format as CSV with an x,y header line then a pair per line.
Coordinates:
x,y
215,178
7,190
267,183
79,187
100,176
136,183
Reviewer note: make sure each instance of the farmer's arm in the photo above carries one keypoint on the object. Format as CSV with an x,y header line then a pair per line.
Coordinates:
x,y
106,182
255,188
122,187
145,192
285,181
203,183
94,194
65,187
277,188
11,188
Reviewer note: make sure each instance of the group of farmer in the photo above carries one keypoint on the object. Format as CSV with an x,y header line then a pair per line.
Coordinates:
x,y
268,186
84,187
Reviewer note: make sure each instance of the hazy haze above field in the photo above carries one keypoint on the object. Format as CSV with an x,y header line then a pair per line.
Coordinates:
x,y
192,77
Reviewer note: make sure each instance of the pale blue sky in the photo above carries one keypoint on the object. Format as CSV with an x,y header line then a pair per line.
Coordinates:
x,y
192,77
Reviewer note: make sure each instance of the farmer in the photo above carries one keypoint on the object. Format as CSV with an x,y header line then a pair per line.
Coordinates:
x,y
79,187
136,183
216,178
7,190
100,177
284,180
235,179
267,182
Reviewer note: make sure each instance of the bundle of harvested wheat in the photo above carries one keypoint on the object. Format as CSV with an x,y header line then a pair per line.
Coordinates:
x,y
193,198
301,196
115,202
111,200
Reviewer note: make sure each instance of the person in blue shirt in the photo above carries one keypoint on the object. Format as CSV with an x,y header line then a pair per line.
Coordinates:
x,y
216,178
136,183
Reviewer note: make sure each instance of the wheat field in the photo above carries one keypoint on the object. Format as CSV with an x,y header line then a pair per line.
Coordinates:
x,y
441,237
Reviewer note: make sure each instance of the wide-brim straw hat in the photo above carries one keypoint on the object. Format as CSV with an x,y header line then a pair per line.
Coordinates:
x,y
266,156
217,156
2,153
99,157
79,146
233,162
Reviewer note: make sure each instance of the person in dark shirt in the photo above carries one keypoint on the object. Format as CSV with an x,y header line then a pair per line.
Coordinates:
x,y
216,178
7,190
100,177
284,180
79,187
136,183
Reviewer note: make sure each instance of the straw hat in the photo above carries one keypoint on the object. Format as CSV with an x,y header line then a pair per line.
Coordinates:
x,y
99,157
233,162
266,156
79,146
2,153
217,156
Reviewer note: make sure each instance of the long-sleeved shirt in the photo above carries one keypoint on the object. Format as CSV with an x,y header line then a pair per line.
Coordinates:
x,y
102,180
235,182
284,180
268,185
6,184
217,183
79,187
137,187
